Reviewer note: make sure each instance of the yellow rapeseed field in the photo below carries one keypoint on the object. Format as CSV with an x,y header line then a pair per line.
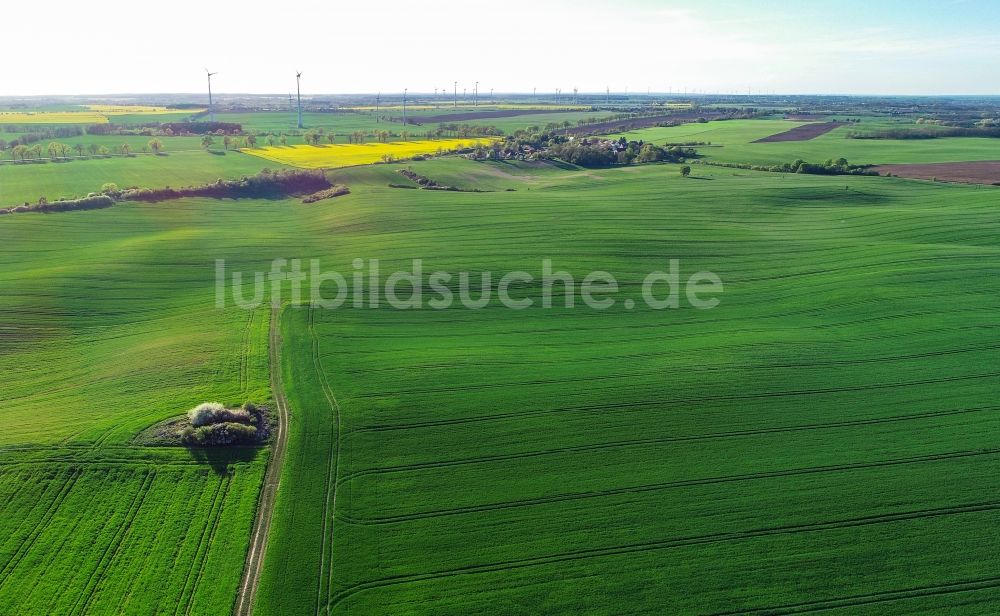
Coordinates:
x,y
52,117
93,114
348,155
137,109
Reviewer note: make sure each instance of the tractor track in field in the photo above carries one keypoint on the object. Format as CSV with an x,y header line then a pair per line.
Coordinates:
x,y
213,511
113,548
272,476
333,471
200,563
874,598
667,485
594,408
245,340
659,372
26,544
418,466
673,543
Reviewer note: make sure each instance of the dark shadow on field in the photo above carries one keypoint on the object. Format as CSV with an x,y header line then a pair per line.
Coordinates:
x,y
220,458
561,164
216,152
691,177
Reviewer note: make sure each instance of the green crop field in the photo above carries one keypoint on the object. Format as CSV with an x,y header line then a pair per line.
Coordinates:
x,y
732,142
28,182
824,440
498,459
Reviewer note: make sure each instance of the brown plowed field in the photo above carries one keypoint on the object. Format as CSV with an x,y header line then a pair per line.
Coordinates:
x,y
976,172
802,133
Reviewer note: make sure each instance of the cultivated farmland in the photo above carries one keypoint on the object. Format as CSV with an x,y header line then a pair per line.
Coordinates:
x,y
824,440
605,449
348,155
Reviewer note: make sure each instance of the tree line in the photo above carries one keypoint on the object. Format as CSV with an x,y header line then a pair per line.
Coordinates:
x,y
61,151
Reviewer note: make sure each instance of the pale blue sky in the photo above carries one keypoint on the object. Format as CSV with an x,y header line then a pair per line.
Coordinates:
x,y
851,47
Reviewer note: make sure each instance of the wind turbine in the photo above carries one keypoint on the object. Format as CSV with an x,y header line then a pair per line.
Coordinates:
x,y
211,112
456,94
404,108
377,97
475,95
298,94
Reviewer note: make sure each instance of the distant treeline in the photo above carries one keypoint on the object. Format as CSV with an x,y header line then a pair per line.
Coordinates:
x,y
927,133
169,128
38,134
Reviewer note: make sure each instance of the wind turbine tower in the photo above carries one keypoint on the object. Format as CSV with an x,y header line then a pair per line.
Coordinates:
x,y
298,93
211,110
456,94
475,95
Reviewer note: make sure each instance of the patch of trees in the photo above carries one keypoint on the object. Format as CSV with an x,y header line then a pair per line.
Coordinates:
x,y
214,425
265,185
928,133
585,152
838,166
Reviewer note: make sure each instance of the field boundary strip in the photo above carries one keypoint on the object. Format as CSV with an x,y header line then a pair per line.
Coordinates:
x,y
272,476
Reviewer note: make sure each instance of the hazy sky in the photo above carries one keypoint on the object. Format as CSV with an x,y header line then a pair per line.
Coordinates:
x,y
853,47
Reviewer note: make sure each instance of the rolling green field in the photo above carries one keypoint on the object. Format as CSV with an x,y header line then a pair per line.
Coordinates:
x,y
825,440
106,327
733,141
839,407
28,182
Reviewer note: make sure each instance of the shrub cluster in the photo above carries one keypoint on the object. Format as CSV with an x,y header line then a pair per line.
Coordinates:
x,y
213,412
212,424
227,433
334,191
